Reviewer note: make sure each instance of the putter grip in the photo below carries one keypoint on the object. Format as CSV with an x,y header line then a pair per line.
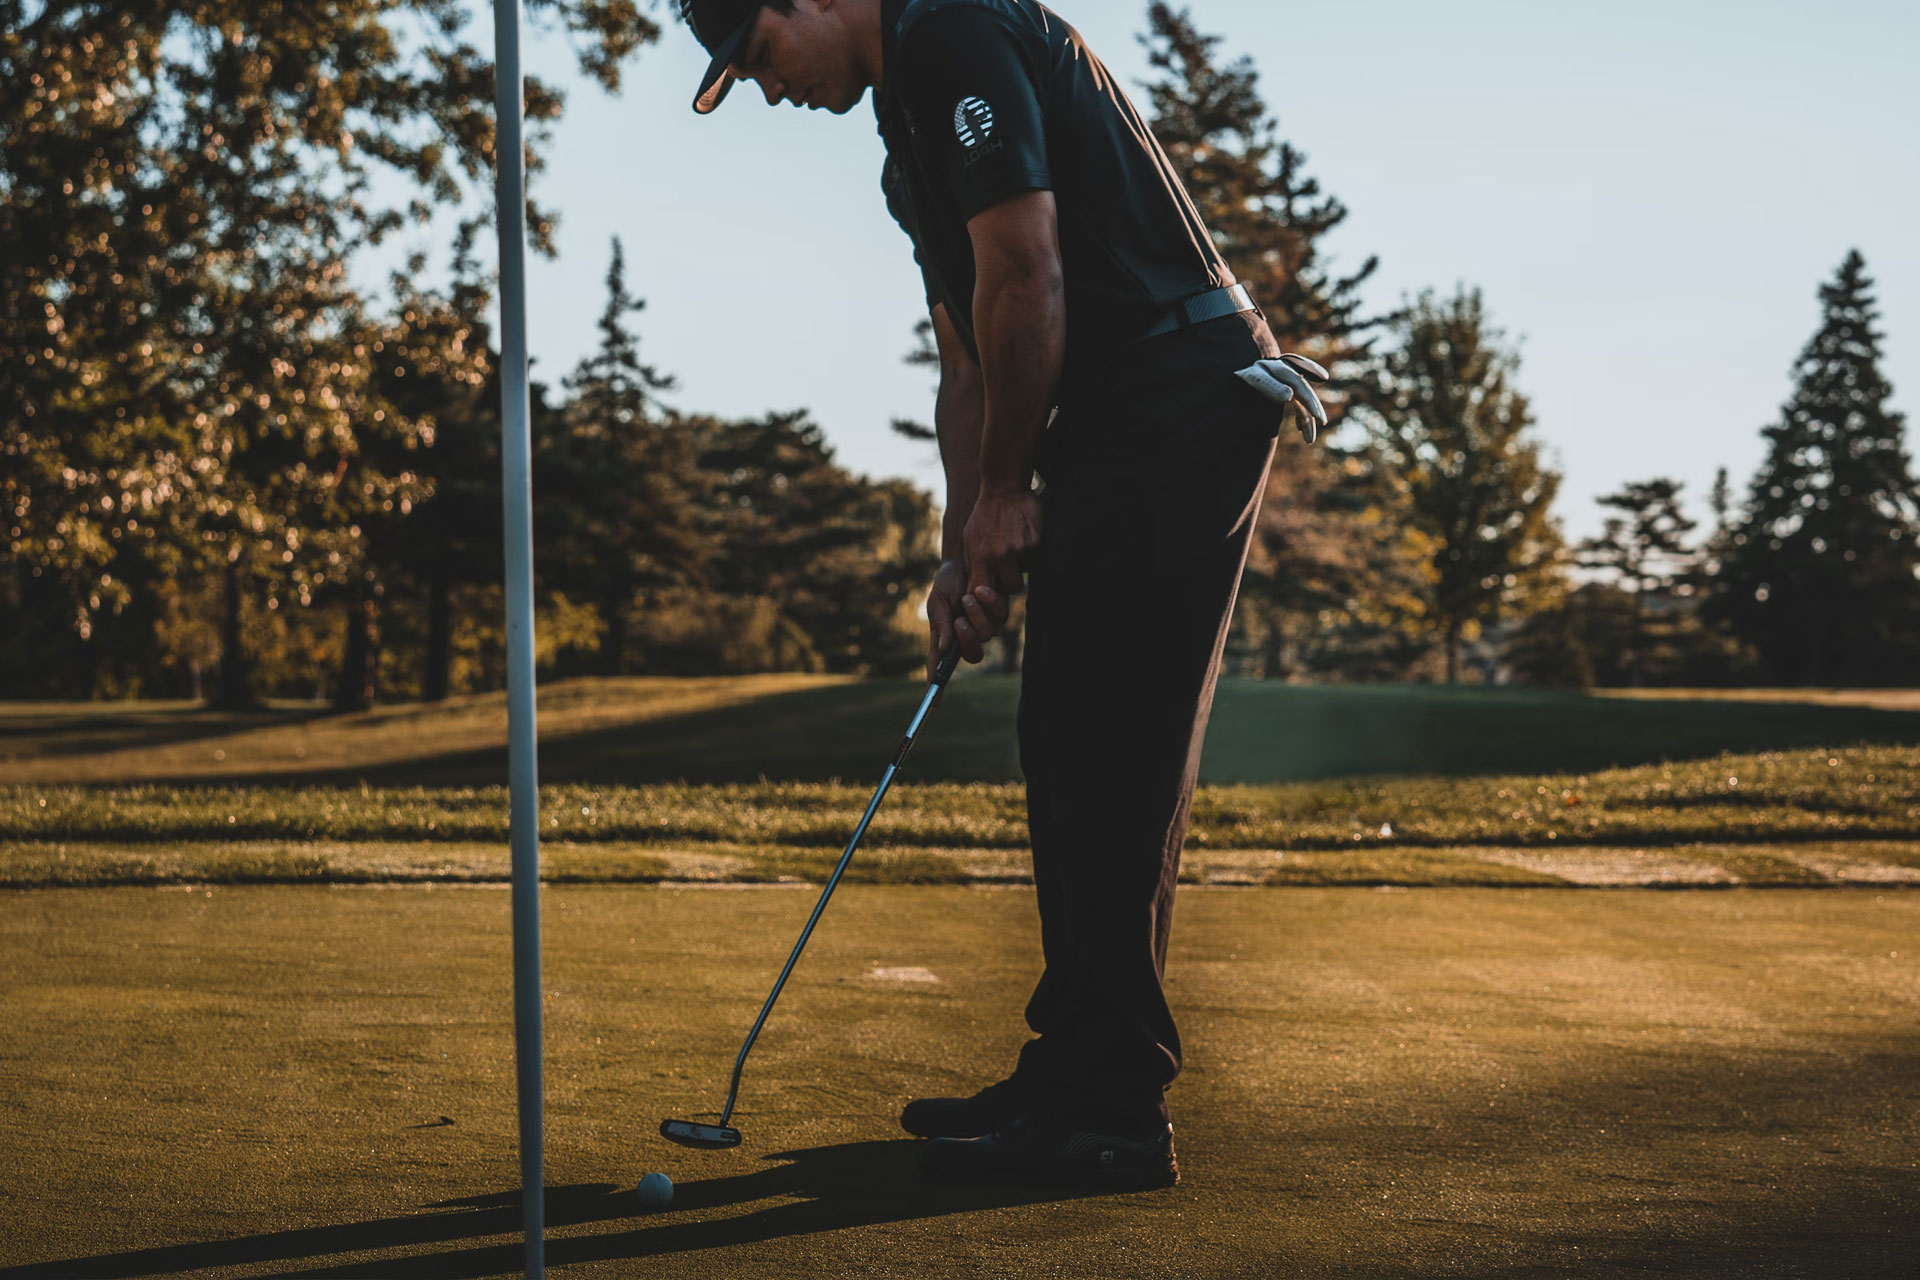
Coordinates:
x,y
948,662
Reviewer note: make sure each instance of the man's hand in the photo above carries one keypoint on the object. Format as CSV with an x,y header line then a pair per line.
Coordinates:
x,y
944,607
1001,534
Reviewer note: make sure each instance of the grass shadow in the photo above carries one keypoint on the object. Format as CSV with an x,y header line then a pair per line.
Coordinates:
x,y
65,730
804,735
1260,732
1264,733
831,1188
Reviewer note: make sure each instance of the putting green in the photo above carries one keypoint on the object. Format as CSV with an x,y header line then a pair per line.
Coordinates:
x,y
316,1081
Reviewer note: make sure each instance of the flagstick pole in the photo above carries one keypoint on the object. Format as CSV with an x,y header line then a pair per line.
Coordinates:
x,y
516,465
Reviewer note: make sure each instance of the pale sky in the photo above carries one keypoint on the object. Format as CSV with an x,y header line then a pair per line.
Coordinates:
x,y
1648,194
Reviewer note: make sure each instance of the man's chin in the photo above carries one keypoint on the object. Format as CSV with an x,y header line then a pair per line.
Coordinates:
x,y
842,108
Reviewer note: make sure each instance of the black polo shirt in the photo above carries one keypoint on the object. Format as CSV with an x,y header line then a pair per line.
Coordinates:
x,y
983,99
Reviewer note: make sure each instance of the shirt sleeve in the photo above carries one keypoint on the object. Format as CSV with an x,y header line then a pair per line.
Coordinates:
x,y
973,90
893,184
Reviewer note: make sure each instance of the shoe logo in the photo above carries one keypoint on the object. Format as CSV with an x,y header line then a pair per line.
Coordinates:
x,y
1106,1155
972,122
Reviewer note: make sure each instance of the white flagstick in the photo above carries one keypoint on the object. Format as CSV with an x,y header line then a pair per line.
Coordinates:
x,y
516,466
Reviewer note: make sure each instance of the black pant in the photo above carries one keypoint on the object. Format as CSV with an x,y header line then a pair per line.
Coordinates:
x,y
1153,482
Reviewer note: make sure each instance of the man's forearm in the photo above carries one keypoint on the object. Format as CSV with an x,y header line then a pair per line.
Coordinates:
x,y
959,411
1020,326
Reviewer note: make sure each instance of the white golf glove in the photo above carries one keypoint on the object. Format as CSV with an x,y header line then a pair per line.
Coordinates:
x,y
1284,381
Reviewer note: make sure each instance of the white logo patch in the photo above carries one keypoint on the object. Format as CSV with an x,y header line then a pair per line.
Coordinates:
x,y
972,122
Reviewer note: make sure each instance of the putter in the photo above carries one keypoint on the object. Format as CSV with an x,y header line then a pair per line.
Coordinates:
x,y
716,1136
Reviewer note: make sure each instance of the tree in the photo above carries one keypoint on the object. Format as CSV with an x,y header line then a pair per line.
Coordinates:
x,y
1550,647
182,365
620,499
1646,553
1448,421
836,556
1820,572
450,544
436,372
1333,582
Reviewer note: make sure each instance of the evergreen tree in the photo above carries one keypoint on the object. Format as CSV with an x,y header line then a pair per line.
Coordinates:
x,y
620,497
836,558
1645,551
450,545
1819,574
444,531
1449,422
924,355
1334,582
1722,503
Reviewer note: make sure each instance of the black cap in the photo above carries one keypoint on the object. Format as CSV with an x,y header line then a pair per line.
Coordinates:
x,y
719,26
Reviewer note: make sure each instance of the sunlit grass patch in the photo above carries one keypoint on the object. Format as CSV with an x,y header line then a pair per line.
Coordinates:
x,y
1765,798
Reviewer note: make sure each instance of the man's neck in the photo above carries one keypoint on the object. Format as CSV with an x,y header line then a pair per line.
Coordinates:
x,y
869,42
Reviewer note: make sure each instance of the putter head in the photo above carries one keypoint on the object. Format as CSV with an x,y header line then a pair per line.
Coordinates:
x,y
703,1137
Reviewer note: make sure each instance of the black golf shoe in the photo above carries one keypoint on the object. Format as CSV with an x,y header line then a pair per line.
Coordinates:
x,y
971,1117
1036,1148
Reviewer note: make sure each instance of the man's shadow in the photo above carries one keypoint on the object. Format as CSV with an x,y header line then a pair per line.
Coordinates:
x,y
854,1184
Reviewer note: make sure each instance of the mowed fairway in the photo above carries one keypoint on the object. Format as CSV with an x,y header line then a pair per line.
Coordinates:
x,y
315,1081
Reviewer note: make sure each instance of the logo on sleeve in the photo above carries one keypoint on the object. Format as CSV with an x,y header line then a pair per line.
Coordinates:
x,y
973,122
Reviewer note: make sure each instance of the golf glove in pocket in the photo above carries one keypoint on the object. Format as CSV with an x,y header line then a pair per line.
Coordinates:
x,y
1285,381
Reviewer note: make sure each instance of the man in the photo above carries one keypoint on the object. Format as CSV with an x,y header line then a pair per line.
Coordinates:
x,y
1088,334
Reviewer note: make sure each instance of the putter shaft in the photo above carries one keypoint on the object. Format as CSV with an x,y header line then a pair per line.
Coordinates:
x,y
941,674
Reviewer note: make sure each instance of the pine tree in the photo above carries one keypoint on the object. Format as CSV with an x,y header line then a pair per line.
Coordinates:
x,y
1449,422
619,512
438,373
1645,550
834,557
1819,574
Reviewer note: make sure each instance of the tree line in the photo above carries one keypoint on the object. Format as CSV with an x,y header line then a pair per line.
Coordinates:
x,y
1420,541
225,471
228,473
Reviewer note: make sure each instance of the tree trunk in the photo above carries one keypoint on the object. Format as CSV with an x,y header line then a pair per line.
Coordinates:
x,y
1273,648
1453,653
613,647
1637,639
357,667
236,677
1815,674
439,674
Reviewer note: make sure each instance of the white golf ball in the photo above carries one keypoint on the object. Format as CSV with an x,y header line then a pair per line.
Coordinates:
x,y
655,1191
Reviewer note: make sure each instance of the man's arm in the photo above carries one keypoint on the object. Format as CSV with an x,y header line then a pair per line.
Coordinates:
x,y
989,417
1020,327
959,410
958,413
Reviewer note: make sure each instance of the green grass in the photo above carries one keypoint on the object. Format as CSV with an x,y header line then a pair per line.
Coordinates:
x,y
763,778
1777,796
809,728
1787,818
230,1082
87,864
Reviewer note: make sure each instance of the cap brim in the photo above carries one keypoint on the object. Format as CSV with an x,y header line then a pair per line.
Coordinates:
x,y
720,77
